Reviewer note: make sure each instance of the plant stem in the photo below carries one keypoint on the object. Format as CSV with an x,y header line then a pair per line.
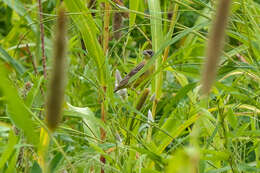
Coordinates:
x,y
226,141
171,29
42,39
105,49
106,27
32,60
34,65
159,79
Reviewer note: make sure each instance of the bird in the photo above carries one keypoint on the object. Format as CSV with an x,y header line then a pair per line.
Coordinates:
x,y
124,83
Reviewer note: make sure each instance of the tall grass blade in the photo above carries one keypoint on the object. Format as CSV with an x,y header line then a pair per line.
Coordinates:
x,y
8,59
12,141
89,32
133,5
16,109
157,39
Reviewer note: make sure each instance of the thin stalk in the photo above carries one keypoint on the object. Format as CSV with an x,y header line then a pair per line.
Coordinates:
x,y
255,127
171,29
117,25
106,27
140,103
102,131
231,160
105,49
42,39
92,5
32,60
34,65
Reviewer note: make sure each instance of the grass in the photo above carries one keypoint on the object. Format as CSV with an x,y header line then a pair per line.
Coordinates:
x,y
164,125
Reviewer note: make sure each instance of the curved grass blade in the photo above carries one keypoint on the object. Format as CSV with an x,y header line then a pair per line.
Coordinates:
x,y
7,58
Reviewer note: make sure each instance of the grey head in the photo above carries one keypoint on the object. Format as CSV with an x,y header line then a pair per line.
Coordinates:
x,y
148,53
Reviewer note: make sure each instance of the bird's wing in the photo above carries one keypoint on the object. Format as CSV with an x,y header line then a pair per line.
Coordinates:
x,y
136,69
124,82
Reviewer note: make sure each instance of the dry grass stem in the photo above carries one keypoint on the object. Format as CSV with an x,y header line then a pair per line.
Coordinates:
x,y
42,39
215,45
117,25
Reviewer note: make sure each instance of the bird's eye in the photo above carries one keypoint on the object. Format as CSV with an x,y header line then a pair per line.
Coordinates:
x,y
148,52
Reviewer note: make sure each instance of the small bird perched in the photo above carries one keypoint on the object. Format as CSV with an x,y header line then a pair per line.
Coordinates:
x,y
124,83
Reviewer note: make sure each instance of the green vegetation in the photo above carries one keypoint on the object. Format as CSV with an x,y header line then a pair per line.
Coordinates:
x,y
166,124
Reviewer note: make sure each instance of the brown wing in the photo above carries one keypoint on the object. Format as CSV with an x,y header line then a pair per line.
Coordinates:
x,y
124,81
136,69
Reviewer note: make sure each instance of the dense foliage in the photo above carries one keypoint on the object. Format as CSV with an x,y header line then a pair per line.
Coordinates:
x,y
163,125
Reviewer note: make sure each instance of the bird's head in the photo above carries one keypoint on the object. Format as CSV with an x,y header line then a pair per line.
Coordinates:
x,y
148,53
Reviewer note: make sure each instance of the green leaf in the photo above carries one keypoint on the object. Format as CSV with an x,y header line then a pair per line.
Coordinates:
x,y
174,128
12,162
91,123
156,23
182,93
147,170
153,156
133,4
16,109
232,119
157,39
33,92
9,149
55,162
8,59
36,168
89,31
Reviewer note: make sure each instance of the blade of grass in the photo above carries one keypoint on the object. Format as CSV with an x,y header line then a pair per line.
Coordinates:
x,y
16,108
7,58
157,39
87,27
12,141
133,5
